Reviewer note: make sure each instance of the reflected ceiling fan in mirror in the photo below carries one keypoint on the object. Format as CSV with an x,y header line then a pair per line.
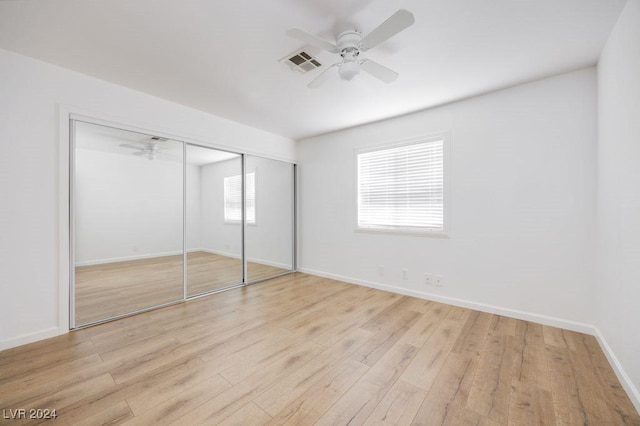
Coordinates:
x,y
350,44
150,148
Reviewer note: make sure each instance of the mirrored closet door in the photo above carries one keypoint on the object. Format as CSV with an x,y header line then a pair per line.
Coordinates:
x,y
214,219
127,216
269,230
155,221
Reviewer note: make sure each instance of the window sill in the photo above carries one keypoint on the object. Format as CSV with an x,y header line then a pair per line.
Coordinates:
x,y
237,222
407,232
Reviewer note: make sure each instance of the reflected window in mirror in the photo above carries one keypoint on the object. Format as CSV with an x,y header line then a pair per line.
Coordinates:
x,y
233,198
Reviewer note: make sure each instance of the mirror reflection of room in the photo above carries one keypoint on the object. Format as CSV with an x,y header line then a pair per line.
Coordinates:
x,y
214,244
128,208
269,230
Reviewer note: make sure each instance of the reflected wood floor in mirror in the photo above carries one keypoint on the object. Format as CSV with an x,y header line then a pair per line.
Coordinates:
x,y
111,289
305,350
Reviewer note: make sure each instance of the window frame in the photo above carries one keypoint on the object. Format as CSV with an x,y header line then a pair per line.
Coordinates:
x,y
445,232
255,200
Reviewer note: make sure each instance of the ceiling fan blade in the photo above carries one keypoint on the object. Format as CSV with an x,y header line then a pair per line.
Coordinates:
x,y
316,82
139,153
126,145
380,72
397,22
312,39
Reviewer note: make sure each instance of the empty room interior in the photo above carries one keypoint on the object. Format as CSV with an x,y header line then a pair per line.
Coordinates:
x,y
320,212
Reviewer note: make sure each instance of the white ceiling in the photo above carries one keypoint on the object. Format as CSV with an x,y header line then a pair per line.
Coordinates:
x,y
222,56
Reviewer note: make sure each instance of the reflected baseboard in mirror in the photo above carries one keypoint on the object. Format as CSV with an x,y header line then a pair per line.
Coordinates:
x,y
208,271
111,289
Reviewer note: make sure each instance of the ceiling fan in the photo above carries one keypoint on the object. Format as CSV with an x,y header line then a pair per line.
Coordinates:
x,y
350,44
150,148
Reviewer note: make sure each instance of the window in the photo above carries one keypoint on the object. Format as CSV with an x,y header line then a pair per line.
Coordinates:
x,y
401,187
233,198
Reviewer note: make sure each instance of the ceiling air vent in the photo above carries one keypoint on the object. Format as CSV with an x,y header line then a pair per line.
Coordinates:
x,y
301,61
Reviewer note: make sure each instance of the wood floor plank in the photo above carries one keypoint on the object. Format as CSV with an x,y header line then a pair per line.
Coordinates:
x,y
471,339
503,325
312,404
283,393
424,369
533,367
491,390
530,405
355,406
420,332
31,383
446,399
388,316
92,404
171,385
259,360
18,367
301,349
65,397
569,406
276,398
250,414
183,403
114,415
399,406
557,337
386,338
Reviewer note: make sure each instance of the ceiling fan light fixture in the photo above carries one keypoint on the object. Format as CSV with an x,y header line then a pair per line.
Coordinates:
x,y
350,67
348,70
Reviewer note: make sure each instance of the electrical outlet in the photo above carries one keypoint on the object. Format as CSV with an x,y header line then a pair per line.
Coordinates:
x,y
428,279
438,280
405,274
381,270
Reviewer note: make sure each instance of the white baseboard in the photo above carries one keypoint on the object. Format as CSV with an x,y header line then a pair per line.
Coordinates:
x,y
221,253
29,338
507,312
625,380
126,258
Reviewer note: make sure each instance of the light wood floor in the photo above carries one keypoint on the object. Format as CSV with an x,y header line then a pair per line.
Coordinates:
x,y
112,289
305,350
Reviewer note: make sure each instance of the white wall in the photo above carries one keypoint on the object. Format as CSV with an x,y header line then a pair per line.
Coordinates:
x,y
618,286
30,94
523,203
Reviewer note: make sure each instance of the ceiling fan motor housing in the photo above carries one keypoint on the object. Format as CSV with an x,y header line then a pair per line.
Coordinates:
x,y
349,40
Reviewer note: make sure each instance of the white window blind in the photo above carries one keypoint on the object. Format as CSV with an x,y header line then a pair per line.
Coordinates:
x,y
233,198
402,188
